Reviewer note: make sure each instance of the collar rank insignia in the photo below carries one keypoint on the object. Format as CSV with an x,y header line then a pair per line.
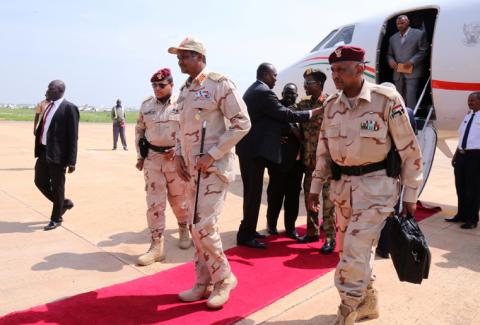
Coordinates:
x,y
370,125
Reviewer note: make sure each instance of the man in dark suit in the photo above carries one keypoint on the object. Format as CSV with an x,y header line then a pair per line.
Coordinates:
x,y
56,149
260,146
285,179
409,48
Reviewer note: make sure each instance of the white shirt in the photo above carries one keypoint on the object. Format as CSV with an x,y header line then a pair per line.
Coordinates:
x,y
51,112
473,140
404,36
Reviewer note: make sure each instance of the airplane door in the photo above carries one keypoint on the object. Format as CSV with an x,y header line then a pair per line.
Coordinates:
x,y
427,139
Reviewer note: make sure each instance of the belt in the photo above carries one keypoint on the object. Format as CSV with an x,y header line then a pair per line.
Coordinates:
x,y
462,151
159,149
362,170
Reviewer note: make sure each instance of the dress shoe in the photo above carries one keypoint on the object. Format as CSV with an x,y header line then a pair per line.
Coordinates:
x,y
253,243
52,225
67,205
272,231
328,247
468,225
454,219
259,235
381,253
308,239
292,234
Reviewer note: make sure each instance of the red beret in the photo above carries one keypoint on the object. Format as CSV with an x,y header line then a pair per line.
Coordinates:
x,y
160,75
347,53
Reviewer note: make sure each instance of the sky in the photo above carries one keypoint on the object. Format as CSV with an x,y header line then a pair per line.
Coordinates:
x,y
105,49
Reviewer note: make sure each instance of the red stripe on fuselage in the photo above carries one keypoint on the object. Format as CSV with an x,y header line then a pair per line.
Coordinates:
x,y
449,85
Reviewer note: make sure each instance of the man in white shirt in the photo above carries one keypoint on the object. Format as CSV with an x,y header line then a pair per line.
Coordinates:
x,y
56,138
466,162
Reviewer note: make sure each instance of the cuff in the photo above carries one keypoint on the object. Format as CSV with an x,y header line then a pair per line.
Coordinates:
x,y
215,153
410,195
310,114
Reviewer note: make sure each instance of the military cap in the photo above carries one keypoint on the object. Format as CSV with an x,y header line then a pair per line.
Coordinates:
x,y
160,75
189,44
347,53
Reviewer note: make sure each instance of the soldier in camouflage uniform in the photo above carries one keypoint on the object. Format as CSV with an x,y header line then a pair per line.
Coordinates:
x,y
209,99
314,80
158,123
362,123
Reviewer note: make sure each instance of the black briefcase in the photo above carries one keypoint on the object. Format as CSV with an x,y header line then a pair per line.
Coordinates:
x,y
408,249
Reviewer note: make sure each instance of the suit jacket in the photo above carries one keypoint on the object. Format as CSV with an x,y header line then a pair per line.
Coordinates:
x,y
267,116
413,49
62,135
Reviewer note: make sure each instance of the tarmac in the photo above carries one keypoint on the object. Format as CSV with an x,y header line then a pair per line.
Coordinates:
x,y
102,236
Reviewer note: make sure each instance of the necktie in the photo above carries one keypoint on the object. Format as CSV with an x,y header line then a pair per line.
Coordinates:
x,y
47,111
467,130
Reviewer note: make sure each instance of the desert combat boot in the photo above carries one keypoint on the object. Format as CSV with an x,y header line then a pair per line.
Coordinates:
x,y
221,292
346,315
184,241
198,292
154,254
369,306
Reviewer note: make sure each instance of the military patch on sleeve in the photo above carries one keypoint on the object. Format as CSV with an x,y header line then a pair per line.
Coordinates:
x,y
397,111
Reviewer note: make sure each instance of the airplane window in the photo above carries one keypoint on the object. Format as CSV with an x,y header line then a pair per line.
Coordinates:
x,y
344,36
325,39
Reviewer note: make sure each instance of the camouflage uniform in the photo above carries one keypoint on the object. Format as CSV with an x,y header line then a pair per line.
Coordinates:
x,y
159,123
212,98
358,136
310,132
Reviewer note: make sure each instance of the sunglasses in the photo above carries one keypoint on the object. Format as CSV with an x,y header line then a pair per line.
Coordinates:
x,y
159,85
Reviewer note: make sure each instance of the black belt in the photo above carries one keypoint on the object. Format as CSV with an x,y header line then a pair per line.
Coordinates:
x,y
468,150
362,170
159,149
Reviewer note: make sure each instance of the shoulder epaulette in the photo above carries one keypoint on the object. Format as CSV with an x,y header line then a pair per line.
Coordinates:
x,y
147,99
385,91
216,76
330,98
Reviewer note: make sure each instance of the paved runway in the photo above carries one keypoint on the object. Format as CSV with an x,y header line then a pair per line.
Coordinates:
x,y
102,236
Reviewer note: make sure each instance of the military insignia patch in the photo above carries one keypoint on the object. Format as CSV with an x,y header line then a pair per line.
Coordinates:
x,y
370,125
338,53
397,111
202,94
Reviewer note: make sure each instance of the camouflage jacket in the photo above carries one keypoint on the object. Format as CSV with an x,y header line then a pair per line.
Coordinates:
x,y
310,131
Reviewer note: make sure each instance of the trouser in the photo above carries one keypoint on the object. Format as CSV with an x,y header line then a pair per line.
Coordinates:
x,y
211,264
50,180
284,185
118,129
161,185
327,208
252,171
467,183
362,204
408,88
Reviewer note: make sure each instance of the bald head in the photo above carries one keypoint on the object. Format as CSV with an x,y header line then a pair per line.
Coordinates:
x,y
474,101
267,73
55,91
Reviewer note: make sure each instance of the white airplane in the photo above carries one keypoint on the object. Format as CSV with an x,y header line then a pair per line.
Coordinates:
x,y
453,63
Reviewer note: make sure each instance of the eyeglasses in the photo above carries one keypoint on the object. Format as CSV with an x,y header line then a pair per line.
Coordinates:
x,y
159,85
311,82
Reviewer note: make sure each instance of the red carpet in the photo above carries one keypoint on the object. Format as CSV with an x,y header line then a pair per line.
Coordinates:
x,y
264,277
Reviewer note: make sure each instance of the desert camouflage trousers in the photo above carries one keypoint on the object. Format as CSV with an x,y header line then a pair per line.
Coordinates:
x,y
362,203
161,183
327,208
211,264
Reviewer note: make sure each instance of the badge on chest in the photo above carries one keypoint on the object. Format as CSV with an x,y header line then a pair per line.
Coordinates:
x,y
202,94
370,125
